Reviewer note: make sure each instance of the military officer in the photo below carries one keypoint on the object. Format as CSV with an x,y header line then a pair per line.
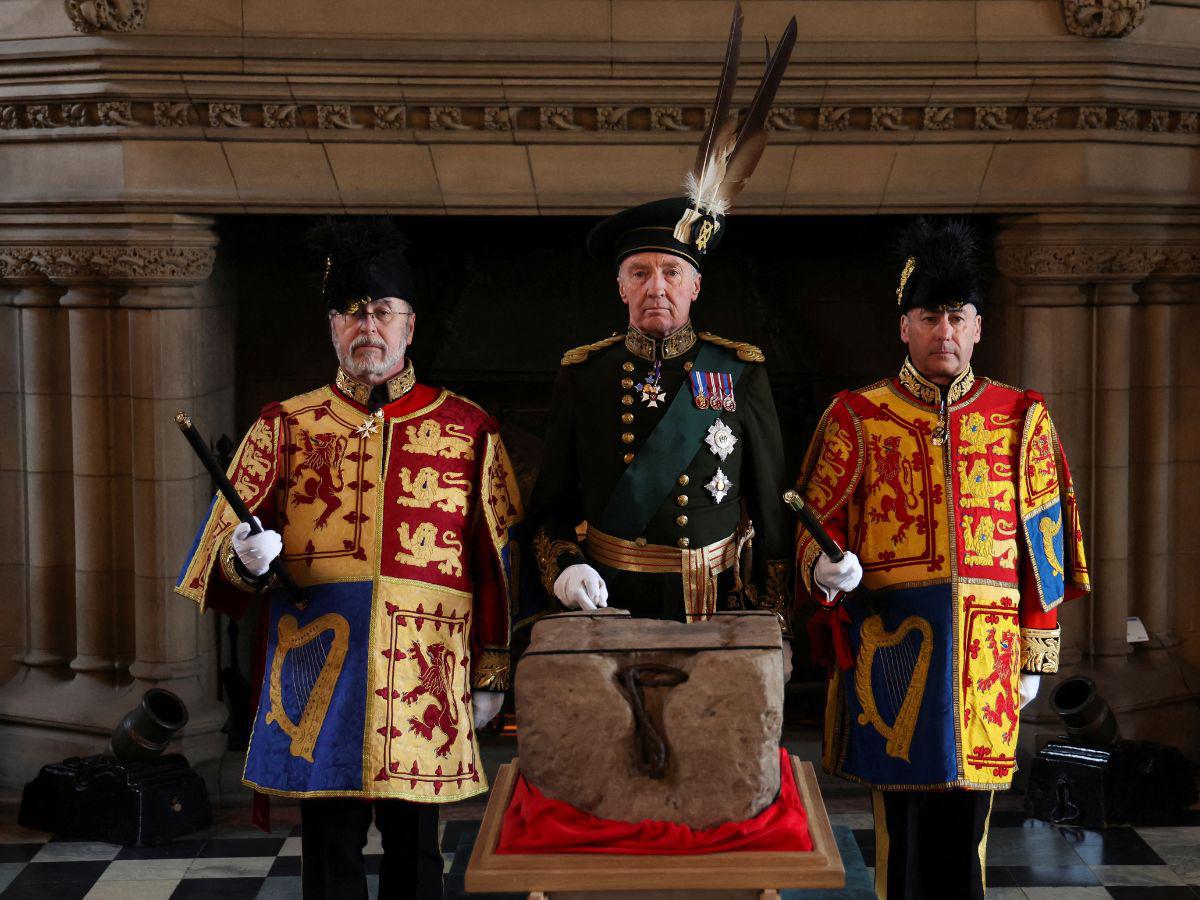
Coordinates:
x,y
952,496
665,442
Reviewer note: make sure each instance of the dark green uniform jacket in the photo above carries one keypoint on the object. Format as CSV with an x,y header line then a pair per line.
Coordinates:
x,y
600,428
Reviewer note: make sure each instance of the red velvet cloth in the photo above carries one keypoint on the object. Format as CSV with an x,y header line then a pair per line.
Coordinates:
x,y
533,823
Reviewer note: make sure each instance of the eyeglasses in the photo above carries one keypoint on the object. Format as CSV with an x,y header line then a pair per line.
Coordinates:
x,y
382,317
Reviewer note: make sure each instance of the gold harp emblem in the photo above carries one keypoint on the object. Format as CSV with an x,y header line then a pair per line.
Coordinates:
x,y
315,672
905,668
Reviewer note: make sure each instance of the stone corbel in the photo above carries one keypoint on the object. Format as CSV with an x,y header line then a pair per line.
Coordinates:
x,y
1103,18
93,16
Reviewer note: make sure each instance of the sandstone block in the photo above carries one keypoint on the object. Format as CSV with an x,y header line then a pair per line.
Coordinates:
x,y
713,692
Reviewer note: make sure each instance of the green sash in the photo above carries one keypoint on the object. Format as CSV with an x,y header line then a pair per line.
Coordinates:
x,y
673,444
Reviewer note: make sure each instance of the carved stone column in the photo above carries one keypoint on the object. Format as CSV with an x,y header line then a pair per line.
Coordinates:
x,y
1090,338
125,339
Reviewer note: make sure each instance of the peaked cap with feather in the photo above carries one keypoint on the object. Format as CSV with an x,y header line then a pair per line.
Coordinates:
x,y
941,266
364,261
693,225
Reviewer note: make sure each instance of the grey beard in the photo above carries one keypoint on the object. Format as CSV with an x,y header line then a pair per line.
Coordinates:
x,y
364,368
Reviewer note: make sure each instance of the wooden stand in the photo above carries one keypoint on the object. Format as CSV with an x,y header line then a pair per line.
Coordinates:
x,y
594,876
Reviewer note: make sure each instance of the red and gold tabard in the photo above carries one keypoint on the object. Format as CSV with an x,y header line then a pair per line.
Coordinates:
x,y
962,513
396,525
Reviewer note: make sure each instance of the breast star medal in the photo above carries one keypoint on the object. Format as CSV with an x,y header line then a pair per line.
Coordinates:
x,y
719,486
720,439
370,424
652,392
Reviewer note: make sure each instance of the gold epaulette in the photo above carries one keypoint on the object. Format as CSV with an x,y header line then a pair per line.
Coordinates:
x,y
745,352
579,354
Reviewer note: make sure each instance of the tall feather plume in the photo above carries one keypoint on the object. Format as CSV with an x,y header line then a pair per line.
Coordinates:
x,y
728,154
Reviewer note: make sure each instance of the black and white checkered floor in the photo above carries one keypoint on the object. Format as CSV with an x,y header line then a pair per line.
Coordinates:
x,y
1026,859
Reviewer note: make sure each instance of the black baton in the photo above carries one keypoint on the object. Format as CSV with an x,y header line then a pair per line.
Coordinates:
x,y
813,525
184,421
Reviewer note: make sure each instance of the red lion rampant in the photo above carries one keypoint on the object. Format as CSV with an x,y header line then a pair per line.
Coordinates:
x,y
895,473
322,455
437,677
1002,670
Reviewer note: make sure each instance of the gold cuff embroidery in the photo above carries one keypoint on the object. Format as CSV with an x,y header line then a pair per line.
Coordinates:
x,y
1039,650
547,553
492,672
228,560
675,344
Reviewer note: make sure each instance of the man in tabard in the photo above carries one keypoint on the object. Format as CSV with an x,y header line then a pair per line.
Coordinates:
x,y
952,497
662,439
390,503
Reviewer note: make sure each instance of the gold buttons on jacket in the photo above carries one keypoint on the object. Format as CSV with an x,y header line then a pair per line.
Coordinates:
x,y
687,367
627,418
683,543
627,383
683,480
627,437
628,367
628,457
681,520
641,542
682,499
627,400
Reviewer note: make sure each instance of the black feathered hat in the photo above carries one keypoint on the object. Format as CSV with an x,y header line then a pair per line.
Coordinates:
x,y
363,259
940,266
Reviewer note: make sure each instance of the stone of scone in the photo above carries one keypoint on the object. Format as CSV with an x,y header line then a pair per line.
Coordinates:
x,y
575,728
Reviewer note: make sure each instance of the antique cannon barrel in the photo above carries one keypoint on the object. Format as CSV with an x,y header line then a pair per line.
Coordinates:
x,y
145,731
1087,715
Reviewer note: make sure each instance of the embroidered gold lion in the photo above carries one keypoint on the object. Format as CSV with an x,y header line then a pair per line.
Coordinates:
x,y
421,548
979,489
427,438
976,437
983,548
429,489
1049,532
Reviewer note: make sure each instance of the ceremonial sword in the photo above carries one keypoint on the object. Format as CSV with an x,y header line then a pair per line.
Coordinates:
x,y
184,421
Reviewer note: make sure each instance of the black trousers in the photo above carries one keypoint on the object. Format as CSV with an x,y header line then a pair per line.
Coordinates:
x,y
335,832
931,845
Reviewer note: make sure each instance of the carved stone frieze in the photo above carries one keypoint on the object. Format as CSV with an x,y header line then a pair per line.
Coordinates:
x,y
107,262
447,118
92,16
226,115
1039,118
337,115
833,118
992,118
887,118
171,114
612,118
279,115
939,118
1103,18
1077,262
558,118
667,118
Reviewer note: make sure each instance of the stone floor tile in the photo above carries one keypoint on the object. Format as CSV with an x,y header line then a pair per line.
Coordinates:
x,y
291,847
161,889
146,869
1067,893
9,871
76,851
279,888
1136,875
231,867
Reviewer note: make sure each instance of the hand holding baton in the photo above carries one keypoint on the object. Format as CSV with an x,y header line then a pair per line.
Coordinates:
x,y
813,525
184,421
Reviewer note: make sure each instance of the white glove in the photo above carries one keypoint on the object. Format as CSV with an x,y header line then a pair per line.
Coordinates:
x,y
256,550
832,577
580,587
1029,687
485,705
